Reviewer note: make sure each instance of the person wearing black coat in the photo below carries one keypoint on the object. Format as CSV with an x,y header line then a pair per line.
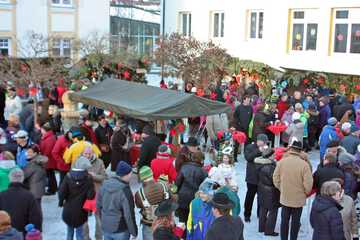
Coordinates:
x,y
325,217
251,152
2,106
342,107
268,194
117,142
149,147
20,203
188,180
329,171
261,121
103,135
76,188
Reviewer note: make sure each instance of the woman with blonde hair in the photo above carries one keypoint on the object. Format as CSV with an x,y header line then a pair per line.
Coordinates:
x,y
325,217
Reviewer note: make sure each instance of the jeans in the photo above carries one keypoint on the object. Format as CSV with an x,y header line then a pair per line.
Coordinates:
x,y
295,215
147,232
249,199
267,220
117,236
78,231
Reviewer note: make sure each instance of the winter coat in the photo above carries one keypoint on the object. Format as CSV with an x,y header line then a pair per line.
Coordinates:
x,y
216,123
183,156
261,120
293,177
22,207
163,164
313,120
5,168
26,117
55,123
188,180
350,143
304,119
103,136
251,152
72,153
327,173
162,233
199,220
296,130
12,106
118,154
226,228
327,135
148,150
350,180
242,118
324,115
282,107
268,194
58,152
35,176
88,133
115,205
47,144
11,234
97,172
325,218
75,189
21,154
348,214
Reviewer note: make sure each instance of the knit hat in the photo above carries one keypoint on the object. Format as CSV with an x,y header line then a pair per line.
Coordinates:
x,y
298,106
145,173
32,233
21,134
262,137
163,149
123,169
332,121
345,158
295,143
296,116
5,221
148,130
82,163
346,127
16,175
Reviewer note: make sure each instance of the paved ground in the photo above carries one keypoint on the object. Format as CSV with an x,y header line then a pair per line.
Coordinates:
x,y
55,229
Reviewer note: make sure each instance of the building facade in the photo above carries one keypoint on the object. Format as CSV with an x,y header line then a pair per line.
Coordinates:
x,y
62,21
294,34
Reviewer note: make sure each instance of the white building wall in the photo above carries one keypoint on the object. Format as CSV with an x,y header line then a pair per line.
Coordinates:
x,y
5,23
272,48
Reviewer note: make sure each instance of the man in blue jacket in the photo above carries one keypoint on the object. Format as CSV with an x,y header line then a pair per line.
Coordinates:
x,y
327,135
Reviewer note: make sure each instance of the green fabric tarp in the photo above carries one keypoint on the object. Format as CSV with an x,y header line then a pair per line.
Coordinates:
x,y
146,102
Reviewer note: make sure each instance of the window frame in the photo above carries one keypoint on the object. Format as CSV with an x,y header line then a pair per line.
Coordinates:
x,y
305,21
8,45
188,30
61,3
221,24
60,44
353,17
5,2
257,24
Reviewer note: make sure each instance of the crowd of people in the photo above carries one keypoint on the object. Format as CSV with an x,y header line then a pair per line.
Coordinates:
x,y
188,191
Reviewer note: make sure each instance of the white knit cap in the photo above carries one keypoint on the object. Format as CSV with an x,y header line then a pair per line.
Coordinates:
x,y
296,116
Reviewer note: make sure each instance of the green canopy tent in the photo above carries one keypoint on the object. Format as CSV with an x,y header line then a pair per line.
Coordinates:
x,y
145,102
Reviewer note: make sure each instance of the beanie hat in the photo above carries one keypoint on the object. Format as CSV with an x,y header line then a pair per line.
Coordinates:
x,y
32,233
296,116
163,149
345,158
262,137
5,221
123,169
332,121
145,173
82,163
298,106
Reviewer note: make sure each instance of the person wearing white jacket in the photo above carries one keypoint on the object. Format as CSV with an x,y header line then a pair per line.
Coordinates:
x,y
12,104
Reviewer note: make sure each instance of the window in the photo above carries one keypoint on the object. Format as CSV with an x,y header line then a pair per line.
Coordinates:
x,y
347,31
4,47
4,1
256,24
61,2
218,24
185,24
61,48
304,30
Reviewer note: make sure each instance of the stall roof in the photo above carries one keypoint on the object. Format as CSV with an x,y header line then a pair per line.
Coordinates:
x,y
146,102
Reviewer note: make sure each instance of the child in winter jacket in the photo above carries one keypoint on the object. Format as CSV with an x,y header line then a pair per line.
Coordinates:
x,y
6,231
32,233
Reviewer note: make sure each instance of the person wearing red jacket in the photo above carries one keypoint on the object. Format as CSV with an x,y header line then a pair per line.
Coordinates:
x,y
58,152
87,130
163,164
47,143
282,105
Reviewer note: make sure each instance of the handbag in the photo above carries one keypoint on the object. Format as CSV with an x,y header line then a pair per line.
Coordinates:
x,y
90,205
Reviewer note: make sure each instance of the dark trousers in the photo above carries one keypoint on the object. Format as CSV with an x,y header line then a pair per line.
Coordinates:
x,y
249,199
62,176
52,184
267,220
295,215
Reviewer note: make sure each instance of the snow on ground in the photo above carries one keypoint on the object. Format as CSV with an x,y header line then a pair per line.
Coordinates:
x,y
55,229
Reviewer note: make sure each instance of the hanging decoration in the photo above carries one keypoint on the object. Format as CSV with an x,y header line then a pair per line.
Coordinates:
x,y
340,37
